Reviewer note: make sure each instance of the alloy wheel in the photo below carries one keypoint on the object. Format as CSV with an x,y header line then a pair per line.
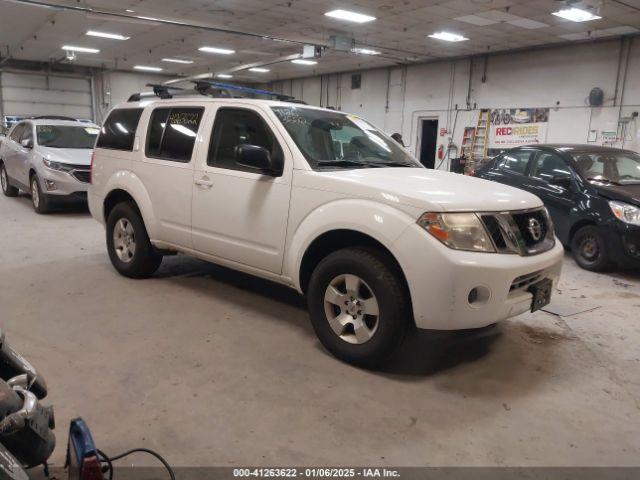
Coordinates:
x,y
351,309
35,194
3,179
124,240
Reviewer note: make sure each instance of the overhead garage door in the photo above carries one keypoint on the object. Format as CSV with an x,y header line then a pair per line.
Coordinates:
x,y
25,95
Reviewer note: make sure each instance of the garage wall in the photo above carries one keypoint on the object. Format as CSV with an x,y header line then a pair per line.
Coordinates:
x,y
112,88
559,78
27,94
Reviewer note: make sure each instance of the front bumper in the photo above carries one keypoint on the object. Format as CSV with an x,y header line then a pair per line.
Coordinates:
x,y
623,242
61,184
440,280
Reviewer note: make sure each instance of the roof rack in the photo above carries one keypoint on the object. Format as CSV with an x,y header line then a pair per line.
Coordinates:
x,y
54,117
209,88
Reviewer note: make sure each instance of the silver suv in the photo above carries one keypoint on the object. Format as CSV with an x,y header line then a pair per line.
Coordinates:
x,y
50,157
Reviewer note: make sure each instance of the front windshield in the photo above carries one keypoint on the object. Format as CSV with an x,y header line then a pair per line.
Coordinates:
x,y
616,167
66,136
332,140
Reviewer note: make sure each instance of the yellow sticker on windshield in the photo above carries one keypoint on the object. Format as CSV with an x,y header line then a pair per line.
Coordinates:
x,y
92,130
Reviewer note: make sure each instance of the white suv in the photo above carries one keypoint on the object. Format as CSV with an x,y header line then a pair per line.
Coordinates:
x,y
49,157
327,204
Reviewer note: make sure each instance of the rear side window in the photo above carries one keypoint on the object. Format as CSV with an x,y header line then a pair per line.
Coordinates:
x,y
172,133
119,130
234,127
515,162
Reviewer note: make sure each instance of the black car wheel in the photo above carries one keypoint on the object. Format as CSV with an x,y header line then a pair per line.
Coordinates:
x,y
359,307
589,249
130,250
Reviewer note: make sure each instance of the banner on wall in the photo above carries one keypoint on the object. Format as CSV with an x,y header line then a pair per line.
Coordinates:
x,y
512,127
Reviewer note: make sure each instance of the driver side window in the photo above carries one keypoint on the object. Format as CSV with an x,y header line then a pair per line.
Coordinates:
x,y
234,127
27,133
515,162
548,165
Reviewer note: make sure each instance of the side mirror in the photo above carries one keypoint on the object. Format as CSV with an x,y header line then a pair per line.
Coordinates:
x,y
27,143
563,180
257,158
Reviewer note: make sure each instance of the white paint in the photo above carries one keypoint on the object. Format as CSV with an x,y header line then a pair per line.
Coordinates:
x,y
559,78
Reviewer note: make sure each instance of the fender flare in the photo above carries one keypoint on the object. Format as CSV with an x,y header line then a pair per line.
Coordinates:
x,y
130,183
379,221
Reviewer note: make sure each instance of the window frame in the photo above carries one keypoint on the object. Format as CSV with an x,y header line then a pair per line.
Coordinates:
x,y
265,122
533,153
19,126
202,111
535,158
133,144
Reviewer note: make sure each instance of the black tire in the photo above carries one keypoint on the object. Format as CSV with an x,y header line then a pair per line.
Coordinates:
x,y
40,201
143,260
589,249
7,188
383,280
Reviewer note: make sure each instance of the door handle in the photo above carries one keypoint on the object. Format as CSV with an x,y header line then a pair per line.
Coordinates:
x,y
204,184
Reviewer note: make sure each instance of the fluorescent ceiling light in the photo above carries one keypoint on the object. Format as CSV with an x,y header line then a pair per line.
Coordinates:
x,y
112,36
148,69
177,60
576,15
302,61
259,70
350,16
72,48
221,51
224,75
365,51
448,37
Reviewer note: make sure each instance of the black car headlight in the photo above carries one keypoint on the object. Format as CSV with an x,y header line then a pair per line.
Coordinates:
x,y
627,213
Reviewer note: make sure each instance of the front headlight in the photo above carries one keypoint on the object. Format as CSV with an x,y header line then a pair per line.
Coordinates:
x,y
460,231
53,165
625,212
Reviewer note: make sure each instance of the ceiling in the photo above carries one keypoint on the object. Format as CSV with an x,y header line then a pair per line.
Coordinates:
x,y
29,32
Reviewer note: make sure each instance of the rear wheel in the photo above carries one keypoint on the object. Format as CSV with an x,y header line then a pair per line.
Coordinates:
x,y
130,249
7,189
40,201
589,249
359,308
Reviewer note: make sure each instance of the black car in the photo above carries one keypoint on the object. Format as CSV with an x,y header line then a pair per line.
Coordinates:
x,y
592,194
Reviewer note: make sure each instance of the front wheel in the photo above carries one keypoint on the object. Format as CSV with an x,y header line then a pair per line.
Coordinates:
x,y
359,307
39,200
130,249
589,249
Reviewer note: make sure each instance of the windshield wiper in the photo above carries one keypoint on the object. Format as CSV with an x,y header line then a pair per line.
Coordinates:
x,y
343,162
603,180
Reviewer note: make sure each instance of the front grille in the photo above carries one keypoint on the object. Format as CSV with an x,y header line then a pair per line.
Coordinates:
x,y
532,225
524,281
83,176
493,228
525,232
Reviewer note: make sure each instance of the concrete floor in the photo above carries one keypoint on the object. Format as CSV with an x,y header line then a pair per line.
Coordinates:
x,y
210,367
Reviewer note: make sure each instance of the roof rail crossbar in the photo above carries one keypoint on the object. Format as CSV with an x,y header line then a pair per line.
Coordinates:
x,y
164,92
205,85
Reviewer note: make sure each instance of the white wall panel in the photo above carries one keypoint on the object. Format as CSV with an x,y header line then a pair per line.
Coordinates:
x,y
558,78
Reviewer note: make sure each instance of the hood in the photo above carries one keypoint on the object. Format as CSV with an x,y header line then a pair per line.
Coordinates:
x,y
623,193
431,190
73,156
